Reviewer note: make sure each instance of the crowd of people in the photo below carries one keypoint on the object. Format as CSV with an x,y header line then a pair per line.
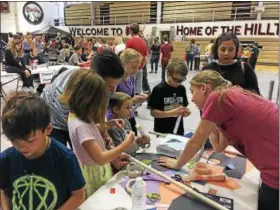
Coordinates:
x,y
92,112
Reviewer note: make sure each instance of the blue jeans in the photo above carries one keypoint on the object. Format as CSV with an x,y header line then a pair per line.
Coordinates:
x,y
190,61
154,60
163,69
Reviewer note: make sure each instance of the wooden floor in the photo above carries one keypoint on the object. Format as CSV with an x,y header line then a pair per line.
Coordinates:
x,y
267,68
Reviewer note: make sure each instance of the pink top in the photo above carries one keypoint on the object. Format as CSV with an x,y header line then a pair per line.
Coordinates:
x,y
251,125
80,132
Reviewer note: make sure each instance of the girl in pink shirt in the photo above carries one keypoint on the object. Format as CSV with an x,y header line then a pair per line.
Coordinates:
x,y
86,95
232,115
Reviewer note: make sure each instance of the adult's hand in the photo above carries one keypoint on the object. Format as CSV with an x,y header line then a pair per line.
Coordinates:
x,y
168,162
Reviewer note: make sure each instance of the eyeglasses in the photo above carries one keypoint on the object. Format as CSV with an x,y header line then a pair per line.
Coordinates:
x,y
176,80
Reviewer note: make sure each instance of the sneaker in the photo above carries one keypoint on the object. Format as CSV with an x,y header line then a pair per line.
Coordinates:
x,y
151,72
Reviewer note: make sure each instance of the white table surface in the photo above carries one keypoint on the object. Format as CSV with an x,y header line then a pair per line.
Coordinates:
x,y
56,68
244,198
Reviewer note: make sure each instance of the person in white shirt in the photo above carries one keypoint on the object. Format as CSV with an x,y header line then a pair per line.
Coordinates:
x,y
119,45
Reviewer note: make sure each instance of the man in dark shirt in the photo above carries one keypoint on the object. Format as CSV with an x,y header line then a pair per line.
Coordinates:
x,y
165,54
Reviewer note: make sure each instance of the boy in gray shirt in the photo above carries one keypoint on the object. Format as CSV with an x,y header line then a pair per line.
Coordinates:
x,y
75,59
120,108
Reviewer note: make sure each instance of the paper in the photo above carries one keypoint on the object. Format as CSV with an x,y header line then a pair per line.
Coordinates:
x,y
154,158
234,167
186,202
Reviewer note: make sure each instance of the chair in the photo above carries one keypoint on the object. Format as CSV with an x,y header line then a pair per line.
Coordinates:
x,y
14,76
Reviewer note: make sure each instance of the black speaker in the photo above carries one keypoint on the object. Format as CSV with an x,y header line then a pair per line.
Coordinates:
x,y
56,22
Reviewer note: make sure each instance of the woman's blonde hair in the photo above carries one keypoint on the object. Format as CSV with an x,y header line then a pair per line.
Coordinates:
x,y
13,49
214,79
129,54
28,38
86,95
118,40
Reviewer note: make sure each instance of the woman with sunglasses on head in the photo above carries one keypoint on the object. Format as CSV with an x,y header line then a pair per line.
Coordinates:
x,y
168,100
224,51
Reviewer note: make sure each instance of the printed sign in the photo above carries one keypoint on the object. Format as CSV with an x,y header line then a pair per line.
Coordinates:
x,y
46,76
98,31
33,13
240,29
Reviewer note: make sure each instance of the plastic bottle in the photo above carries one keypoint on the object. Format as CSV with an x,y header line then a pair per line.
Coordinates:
x,y
139,195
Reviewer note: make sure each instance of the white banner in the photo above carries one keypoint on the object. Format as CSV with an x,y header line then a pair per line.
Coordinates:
x,y
253,28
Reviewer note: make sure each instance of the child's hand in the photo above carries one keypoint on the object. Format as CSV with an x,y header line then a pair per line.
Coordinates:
x,y
119,123
121,161
178,111
187,112
129,138
140,98
143,140
109,144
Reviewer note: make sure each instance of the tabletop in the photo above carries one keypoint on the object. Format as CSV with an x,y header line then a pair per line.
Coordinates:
x,y
245,197
43,68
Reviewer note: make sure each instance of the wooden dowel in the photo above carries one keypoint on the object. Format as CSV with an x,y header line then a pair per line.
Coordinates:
x,y
158,134
180,185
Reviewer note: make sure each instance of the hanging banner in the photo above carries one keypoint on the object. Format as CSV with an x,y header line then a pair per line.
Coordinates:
x,y
261,28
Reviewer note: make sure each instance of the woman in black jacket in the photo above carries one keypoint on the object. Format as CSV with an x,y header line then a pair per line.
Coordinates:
x,y
224,51
14,64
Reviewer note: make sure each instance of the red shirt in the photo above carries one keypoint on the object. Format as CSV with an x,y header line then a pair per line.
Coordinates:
x,y
251,125
166,50
140,46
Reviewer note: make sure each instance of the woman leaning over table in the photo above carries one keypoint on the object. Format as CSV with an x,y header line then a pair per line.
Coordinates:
x,y
237,117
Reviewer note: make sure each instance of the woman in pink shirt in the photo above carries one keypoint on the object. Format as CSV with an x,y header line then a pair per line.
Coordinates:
x,y
237,117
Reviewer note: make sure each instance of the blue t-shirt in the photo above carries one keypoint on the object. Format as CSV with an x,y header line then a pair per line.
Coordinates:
x,y
42,183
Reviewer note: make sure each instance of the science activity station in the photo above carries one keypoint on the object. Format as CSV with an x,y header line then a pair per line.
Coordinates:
x,y
225,181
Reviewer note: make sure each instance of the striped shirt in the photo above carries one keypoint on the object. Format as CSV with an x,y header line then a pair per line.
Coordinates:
x,y
51,95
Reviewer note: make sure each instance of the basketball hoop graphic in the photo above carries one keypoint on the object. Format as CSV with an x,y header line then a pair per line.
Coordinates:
x,y
31,187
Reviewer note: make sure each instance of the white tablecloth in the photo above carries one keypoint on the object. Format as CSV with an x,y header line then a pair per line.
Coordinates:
x,y
43,68
244,198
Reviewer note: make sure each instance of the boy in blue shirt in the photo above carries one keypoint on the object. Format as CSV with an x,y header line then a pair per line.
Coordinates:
x,y
37,172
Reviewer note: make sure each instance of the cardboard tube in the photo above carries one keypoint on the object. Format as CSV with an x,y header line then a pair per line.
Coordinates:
x,y
182,186
177,124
